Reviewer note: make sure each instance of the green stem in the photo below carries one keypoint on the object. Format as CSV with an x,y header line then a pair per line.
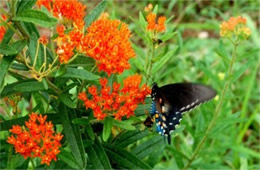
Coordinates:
x,y
218,109
53,86
4,12
36,54
33,166
149,63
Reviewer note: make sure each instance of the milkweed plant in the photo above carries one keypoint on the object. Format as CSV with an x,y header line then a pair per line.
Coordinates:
x,y
75,89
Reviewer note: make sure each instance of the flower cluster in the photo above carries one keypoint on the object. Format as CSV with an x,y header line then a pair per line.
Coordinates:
x,y
107,41
37,139
235,26
67,43
2,29
152,25
69,9
118,102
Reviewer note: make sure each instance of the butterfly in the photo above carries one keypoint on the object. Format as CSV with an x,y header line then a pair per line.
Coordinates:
x,y
169,102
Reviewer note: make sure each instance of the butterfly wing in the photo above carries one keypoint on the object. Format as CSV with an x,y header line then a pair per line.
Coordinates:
x,y
174,99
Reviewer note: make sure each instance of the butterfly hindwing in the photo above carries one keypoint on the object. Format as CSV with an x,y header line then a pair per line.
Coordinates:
x,y
171,101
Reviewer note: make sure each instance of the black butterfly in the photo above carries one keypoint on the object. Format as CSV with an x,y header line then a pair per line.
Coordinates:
x,y
171,101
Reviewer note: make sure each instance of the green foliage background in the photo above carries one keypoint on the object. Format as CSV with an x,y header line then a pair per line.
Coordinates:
x,y
233,142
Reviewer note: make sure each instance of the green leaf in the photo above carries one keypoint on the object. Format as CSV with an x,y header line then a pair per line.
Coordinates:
x,y
67,101
29,86
73,135
123,125
6,125
94,14
90,132
82,61
7,49
25,5
80,73
4,65
19,45
148,147
141,19
163,60
238,73
123,158
98,156
80,121
7,37
168,35
68,159
130,137
30,28
37,17
107,128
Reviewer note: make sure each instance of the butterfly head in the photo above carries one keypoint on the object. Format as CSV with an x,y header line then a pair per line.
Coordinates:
x,y
154,91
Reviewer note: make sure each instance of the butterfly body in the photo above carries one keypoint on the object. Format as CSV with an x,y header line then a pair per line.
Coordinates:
x,y
169,102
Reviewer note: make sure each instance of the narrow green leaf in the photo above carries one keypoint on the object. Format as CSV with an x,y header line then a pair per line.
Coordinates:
x,y
30,28
90,132
7,37
107,128
163,60
80,73
67,101
148,147
29,86
19,45
98,156
238,73
37,17
4,65
73,135
68,159
80,121
130,137
6,125
168,35
123,125
124,158
82,61
141,19
25,5
94,14
7,50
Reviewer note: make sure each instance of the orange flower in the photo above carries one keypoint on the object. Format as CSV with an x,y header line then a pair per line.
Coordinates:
x,y
107,41
43,39
37,139
69,9
2,29
235,27
118,102
152,26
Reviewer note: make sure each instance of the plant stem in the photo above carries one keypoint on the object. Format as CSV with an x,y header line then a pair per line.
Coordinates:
x,y
218,109
33,166
52,86
149,64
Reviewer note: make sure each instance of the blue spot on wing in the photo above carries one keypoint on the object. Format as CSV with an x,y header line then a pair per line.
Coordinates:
x,y
153,109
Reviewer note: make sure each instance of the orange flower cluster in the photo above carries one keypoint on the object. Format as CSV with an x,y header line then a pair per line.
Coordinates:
x,y
152,26
107,41
37,140
43,40
68,42
69,9
2,29
235,26
118,102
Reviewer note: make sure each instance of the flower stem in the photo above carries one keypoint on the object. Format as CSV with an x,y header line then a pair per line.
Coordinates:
x,y
149,64
218,108
33,166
